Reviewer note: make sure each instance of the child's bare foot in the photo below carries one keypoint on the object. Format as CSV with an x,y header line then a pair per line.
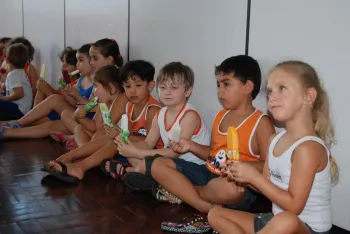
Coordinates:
x,y
74,169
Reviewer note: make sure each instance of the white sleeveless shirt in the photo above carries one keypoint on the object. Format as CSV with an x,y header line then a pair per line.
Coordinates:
x,y
201,135
317,210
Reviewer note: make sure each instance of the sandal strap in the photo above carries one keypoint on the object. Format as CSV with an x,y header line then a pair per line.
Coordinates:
x,y
63,167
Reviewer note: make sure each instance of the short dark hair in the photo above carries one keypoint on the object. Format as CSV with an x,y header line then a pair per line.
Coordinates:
x,y
27,43
70,55
109,74
17,55
5,40
244,68
137,68
84,49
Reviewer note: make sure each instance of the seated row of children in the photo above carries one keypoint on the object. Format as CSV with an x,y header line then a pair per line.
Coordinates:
x,y
293,168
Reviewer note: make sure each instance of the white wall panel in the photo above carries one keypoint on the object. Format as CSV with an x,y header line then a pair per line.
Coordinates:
x,y
199,33
44,27
11,18
89,20
315,31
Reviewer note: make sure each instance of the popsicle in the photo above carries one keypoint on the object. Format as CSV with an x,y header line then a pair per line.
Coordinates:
x,y
105,115
124,133
232,145
91,104
175,132
43,71
73,73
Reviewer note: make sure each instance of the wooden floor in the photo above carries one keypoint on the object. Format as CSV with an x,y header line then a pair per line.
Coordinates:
x,y
33,202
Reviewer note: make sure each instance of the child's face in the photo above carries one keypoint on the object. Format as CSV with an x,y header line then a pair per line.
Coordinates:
x,y
98,60
231,91
137,90
103,94
83,64
66,66
285,95
172,94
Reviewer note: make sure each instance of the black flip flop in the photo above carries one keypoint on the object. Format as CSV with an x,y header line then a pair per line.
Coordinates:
x,y
113,163
138,182
63,175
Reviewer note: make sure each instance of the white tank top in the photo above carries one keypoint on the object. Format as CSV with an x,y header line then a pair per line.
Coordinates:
x,y
317,210
201,135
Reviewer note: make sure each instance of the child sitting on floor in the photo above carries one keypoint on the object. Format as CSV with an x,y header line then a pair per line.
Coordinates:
x,y
18,99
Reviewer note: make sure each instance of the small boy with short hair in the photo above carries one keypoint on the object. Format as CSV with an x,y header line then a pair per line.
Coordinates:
x,y
19,97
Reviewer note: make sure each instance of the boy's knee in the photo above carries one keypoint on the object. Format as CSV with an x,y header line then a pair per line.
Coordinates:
x,y
213,216
65,114
55,97
155,163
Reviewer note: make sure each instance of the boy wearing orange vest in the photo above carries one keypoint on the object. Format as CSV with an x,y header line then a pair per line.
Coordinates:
x,y
238,81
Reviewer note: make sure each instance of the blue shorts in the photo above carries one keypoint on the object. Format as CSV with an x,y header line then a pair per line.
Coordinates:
x,y
55,116
199,175
9,111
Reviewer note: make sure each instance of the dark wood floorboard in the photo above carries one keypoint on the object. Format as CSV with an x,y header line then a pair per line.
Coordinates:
x,y
33,202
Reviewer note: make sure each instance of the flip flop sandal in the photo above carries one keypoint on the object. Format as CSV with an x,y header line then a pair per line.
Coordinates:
x,y
162,195
63,175
58,136
46,166
138,181
194,223
13,124
113,164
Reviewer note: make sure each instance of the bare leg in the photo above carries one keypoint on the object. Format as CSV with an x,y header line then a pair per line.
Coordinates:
x,y
84,151
164,172
39,97
68,119
227,221
286,223
53,103
81,135
100,132
38,131
78,169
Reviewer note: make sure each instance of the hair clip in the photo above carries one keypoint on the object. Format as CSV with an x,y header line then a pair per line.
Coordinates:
x,y
113,40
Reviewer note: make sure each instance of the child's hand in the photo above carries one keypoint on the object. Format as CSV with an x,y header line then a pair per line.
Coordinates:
x,y
243,172
72,91
42,85
226,172
180,147
111,133
126,150
80,112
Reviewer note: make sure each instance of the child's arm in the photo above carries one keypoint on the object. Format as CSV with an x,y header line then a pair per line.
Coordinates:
x,y
263,135
18,93
90,124
34,77
308,158
141,149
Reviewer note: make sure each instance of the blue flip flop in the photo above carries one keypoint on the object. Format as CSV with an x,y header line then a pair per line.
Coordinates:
x,y
13,124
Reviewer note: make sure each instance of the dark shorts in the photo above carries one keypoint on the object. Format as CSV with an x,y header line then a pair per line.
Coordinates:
x,y
260,221
199,175
55,116
9,111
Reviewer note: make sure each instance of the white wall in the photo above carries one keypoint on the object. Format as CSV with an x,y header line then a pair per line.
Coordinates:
x,y
44,28
201,35
11,18
316,31
89,20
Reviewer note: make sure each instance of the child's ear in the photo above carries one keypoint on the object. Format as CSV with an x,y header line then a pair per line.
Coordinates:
x,y
248,87
110,59
188,92
112,89
151,85
310,96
